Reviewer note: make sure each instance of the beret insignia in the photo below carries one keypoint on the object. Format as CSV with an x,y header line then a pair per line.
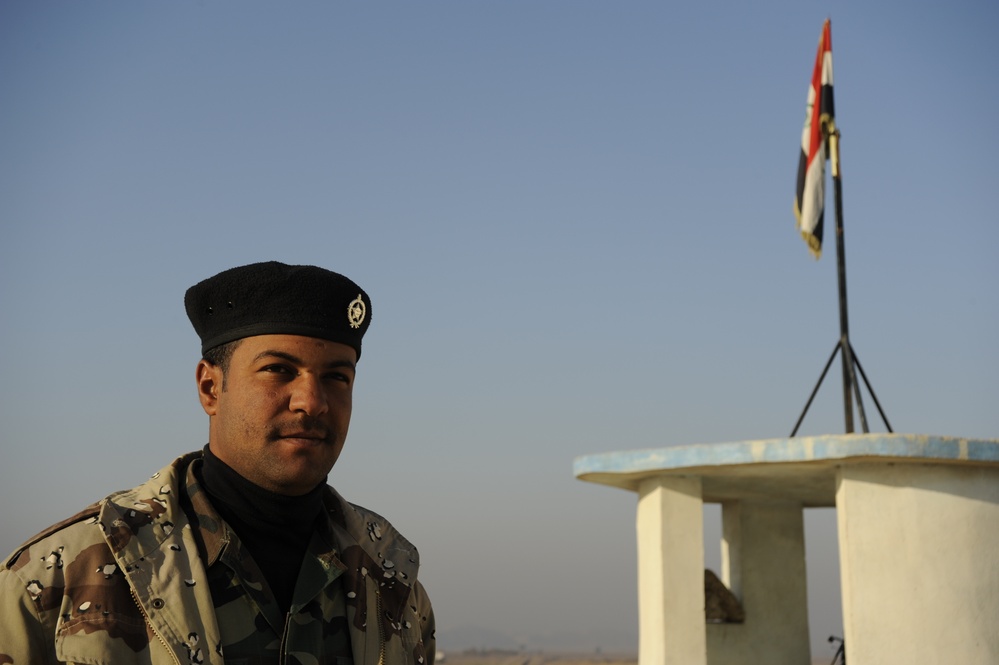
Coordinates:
x,y
356,311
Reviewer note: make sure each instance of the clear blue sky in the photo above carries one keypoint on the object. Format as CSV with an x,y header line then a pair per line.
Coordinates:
x,y
574,220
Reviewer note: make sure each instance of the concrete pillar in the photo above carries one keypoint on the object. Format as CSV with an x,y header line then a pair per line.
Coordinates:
x,y
919,563
763,564
670,526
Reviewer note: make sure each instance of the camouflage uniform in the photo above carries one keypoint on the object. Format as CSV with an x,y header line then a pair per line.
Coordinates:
x,y
153,575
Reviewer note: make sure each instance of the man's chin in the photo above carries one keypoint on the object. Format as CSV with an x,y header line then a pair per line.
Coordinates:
x,y
295,482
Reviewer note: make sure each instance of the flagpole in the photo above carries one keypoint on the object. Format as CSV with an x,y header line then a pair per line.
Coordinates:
x,y
820,139
850,385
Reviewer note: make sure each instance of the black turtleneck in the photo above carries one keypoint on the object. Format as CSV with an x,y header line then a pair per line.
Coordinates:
x,y
276,529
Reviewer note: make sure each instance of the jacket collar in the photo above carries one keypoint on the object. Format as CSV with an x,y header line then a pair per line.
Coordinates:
x,y
140,521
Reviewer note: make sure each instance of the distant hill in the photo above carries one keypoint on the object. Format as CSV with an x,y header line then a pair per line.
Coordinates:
x,y
460,638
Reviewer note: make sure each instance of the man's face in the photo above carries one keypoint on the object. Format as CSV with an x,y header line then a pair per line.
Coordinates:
x,y
282,419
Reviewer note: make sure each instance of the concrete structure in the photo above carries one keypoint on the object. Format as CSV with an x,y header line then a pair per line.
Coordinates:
x,y
918,525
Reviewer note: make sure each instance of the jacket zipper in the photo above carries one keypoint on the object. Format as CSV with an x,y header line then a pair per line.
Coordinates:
x,y
145,617
381,632
284,639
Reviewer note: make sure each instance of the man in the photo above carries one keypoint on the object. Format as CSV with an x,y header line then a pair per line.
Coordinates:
x,y
240,551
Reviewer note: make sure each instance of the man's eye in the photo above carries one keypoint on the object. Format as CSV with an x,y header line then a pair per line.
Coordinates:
x,y
277,369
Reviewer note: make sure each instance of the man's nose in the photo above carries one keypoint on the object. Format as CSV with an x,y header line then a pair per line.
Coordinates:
x,y
308,396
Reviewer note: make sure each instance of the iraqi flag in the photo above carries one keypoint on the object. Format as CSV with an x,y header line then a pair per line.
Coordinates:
x,y
819,123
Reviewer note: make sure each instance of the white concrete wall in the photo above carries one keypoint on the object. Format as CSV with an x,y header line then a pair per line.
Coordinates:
x,y
670,527
919,551
763,564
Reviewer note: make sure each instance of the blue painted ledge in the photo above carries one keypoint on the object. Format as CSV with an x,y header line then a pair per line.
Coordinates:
x,y
624,469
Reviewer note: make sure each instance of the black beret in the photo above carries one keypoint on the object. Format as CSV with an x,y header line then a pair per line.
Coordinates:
x,y
272,299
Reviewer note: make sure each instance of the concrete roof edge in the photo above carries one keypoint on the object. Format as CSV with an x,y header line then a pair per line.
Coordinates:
x,y
798,449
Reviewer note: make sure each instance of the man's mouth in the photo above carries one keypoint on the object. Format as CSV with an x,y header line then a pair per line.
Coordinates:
x,y
316,437
305,430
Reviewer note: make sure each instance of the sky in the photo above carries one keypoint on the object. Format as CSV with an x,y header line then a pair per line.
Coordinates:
x,y
575,223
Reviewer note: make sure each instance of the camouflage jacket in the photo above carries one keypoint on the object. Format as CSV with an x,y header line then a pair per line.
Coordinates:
x,y
152,575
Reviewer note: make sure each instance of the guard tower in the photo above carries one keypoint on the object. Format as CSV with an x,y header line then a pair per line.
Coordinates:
x,y
918,527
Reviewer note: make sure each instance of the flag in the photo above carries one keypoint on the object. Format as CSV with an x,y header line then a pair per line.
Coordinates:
x,y
819,122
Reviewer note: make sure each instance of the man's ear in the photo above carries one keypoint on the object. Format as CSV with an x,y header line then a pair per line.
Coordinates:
x,y
209,380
